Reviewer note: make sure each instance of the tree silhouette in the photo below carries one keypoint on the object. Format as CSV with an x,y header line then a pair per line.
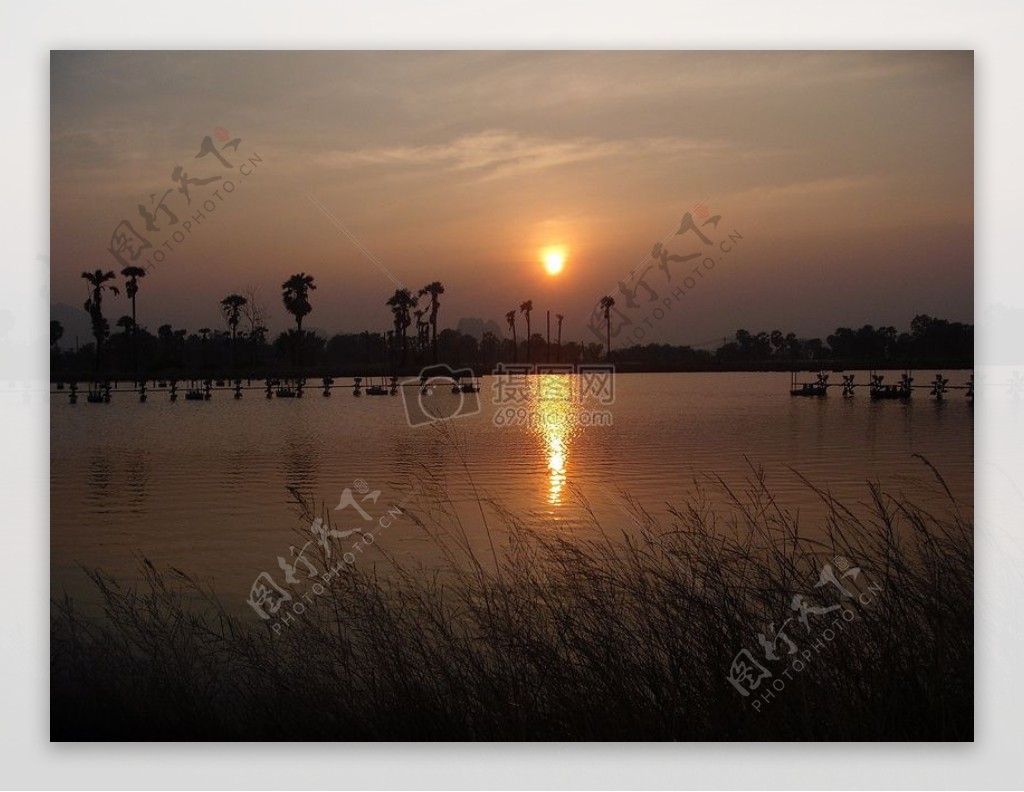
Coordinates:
x,y
933,343
295,294
131,288
94,305
231,307
56,332
435,289
256,313
488,348
422,330
400,303
526,308
606,305
510,317
204,332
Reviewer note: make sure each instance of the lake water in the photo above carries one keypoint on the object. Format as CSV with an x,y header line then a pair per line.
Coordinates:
x,y
204,485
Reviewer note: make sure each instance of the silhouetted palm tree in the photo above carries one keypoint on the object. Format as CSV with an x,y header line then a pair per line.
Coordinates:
x,y
231,307
558,353
94,305
435,289
606,304
526,307
510,317
421,330
400,302
295,295
131,288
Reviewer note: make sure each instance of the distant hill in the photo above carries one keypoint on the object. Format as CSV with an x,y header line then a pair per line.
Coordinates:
x,y
75,321
477,327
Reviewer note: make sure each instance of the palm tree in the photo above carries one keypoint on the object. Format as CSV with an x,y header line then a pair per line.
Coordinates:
x,y
510,317
526,307
558,353
435,289
295,295
606,304
231,307
296,301
400,302
421,330
94,305
131,288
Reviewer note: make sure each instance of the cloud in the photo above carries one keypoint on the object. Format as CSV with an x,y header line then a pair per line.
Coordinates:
x,y
809,187
500,153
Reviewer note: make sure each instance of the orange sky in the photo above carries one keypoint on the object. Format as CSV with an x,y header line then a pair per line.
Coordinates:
x,y
849,176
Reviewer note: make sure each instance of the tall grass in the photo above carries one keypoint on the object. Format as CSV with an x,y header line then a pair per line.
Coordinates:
x,y
627,633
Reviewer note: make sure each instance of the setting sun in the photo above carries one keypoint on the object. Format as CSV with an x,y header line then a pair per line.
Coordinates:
x,y
554,260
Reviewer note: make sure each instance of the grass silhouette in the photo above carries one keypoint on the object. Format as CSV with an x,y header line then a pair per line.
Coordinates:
x,y
625,635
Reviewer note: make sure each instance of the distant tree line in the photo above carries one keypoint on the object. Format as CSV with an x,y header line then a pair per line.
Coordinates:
x,y
244,347
929,341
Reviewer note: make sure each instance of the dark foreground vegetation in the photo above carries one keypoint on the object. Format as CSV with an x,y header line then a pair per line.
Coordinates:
x,y
627,635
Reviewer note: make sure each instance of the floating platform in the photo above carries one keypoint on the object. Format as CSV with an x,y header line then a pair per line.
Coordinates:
x,y
878,390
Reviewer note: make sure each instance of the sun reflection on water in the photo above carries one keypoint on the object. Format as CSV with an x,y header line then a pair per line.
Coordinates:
x,y
556,411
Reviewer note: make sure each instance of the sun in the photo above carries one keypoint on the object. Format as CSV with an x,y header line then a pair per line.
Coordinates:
x,y
554,260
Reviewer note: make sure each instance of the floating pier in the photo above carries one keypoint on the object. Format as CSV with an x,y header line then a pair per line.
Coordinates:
x,y
201,390
878,389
